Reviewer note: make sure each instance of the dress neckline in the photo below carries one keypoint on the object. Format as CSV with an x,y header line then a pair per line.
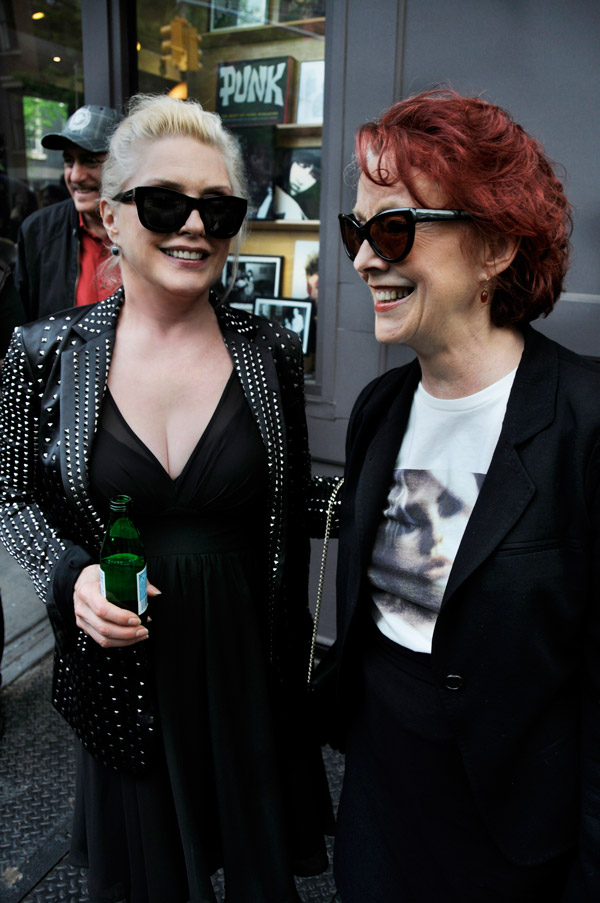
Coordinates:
x,y
148,451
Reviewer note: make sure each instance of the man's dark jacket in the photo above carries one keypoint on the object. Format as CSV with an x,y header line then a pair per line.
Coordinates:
x,y
47,267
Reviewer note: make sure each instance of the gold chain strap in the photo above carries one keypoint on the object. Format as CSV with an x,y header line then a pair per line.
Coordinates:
x,y
313,642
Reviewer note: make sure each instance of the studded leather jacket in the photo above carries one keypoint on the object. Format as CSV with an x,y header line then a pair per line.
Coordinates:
x,y
54,379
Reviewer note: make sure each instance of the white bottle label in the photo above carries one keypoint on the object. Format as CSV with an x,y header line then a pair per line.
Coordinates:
x,y
142,591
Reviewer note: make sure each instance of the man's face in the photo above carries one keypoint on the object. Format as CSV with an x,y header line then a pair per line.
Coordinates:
x,y
83,171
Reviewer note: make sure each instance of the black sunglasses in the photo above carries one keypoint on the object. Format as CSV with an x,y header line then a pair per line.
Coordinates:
x,y
165,210
391,233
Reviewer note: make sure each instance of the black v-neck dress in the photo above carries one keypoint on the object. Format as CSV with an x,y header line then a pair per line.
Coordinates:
x,y
213,799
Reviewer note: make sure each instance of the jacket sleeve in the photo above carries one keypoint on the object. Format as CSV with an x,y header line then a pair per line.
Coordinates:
x,y
320,492
584,883
23,270
12,312
324,684
321,488
297,623
26,531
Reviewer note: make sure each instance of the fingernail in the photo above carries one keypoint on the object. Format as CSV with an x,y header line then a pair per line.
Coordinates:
x,y
142,632
133,621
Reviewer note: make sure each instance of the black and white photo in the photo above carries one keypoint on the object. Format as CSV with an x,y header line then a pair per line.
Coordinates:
x,y
292,314
226,14
309,106
258,148
298,10
298,183
257,276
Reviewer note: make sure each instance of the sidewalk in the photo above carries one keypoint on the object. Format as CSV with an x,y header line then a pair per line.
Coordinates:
x,y
37,766
28,635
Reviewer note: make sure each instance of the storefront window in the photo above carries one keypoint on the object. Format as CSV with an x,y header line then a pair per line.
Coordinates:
x,y
260,65
41,84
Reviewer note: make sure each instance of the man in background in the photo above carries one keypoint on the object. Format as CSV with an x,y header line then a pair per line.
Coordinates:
x,y
60,248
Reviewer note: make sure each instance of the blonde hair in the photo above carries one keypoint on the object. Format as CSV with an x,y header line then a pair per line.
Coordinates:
x,y
152,117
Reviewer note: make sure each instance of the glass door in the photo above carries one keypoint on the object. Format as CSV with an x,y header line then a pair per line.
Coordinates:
x,y
41,84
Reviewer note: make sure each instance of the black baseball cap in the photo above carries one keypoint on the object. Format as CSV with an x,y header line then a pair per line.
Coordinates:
x,y
89,127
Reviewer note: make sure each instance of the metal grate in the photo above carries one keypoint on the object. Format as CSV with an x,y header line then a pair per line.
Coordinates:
x,y
37,779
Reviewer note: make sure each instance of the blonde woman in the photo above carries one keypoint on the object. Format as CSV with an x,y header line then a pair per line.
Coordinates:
x,y
186,723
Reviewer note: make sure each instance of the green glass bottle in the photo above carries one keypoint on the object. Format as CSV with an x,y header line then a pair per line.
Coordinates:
x,y
123,579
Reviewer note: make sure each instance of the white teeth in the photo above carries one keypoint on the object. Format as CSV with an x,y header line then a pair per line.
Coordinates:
x,y
392,295
185,255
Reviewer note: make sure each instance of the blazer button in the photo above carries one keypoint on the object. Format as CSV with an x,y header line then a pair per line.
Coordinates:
x,y
453,682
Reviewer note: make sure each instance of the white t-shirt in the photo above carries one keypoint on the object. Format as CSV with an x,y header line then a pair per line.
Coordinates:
x,y
442,462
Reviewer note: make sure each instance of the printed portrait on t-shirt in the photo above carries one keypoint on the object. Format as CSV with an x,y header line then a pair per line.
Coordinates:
x,y
418,538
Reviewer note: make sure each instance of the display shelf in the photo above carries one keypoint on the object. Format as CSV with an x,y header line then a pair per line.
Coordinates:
x,y
300,129
284,225
274,31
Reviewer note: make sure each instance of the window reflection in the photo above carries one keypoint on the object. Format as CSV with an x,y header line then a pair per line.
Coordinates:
x,y
260,64
41,84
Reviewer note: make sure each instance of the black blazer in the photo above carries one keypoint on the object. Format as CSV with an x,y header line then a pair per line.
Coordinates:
x,y
516,648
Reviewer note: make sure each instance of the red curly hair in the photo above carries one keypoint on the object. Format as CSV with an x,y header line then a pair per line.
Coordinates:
x,y
489,166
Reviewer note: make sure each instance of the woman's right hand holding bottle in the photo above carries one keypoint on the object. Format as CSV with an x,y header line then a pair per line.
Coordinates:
x,y
109,625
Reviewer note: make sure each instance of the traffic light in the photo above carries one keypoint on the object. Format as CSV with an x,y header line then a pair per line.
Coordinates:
x,y
193,40
180,45
173,48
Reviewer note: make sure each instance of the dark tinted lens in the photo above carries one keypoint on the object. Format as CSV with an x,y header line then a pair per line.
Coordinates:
x,y
350,237
163,210
389,234
223,215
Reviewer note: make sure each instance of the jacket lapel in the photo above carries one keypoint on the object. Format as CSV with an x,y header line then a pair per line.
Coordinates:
x,y
507,488
377,467
255,367
84,374
256,371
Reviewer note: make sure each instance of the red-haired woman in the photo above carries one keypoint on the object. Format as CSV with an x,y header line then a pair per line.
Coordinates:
x,y
468,645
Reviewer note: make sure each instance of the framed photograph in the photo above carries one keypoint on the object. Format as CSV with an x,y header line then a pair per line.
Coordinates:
x,y
226,14
257,276
305,253
296,10
297,194
258,150
292,314
256,92
309,109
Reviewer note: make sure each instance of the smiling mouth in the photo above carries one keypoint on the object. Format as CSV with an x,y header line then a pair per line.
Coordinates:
x,y
185,255
393,294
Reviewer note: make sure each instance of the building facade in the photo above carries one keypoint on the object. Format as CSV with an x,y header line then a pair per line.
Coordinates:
x,y
294,80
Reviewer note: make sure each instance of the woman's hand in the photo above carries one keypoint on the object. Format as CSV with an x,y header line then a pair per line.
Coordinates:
x,y
106,623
